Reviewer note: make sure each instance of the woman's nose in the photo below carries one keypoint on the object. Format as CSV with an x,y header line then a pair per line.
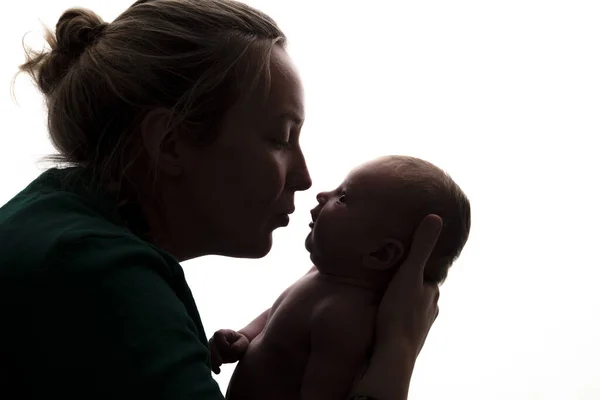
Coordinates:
x,y
299,179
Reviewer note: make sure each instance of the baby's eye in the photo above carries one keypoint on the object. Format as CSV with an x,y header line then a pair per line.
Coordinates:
x,y
342,198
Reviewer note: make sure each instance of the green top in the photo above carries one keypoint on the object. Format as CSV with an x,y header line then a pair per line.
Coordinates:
x,y
88,309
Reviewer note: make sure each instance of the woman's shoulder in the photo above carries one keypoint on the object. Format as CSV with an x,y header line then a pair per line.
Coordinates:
x,y
51,228
92,301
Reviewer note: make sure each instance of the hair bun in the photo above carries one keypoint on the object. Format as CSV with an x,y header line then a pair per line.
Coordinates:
x,y
77,29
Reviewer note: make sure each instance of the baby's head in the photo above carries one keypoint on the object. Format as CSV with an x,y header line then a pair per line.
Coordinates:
x,y
367,223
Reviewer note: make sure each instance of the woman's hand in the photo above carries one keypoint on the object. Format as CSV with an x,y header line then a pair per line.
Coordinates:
x,y
406,313
409,305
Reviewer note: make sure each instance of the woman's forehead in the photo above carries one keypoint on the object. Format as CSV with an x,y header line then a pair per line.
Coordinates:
x,y
284,99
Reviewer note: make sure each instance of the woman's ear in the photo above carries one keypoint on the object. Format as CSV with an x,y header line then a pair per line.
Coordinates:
x,y
385,257
160,142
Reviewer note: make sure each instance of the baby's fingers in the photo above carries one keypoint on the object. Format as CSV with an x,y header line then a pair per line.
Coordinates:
x,y
215,357
240,346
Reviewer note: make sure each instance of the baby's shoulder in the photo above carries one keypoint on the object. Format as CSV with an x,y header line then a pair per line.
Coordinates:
x,y
340,308
350,315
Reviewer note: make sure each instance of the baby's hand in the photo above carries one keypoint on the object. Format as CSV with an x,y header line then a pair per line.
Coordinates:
x,y
226,346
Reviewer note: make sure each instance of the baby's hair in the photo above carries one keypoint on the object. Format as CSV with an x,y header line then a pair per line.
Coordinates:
x,y
191,57
438,194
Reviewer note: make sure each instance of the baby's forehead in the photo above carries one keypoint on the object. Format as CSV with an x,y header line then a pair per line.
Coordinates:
x,y
380,181
373,185
374,176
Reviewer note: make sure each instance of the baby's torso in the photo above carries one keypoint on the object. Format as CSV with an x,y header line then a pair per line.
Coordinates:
x,y
274,364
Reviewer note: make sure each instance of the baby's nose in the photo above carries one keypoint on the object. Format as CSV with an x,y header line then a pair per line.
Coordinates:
x,y
322,198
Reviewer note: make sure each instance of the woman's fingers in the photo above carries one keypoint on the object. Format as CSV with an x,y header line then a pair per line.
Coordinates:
x,y
423,243
432,296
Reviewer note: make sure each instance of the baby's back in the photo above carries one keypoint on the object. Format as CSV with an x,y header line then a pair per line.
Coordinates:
x,y
275,362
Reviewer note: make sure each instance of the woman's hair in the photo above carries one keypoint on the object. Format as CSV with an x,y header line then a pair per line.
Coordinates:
x,y
191,57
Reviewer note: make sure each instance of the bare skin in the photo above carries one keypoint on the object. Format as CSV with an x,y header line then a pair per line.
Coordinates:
x,y
294,351
316,339
400,331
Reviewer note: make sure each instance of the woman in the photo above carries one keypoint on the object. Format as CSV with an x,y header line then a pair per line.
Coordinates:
x,y
180,124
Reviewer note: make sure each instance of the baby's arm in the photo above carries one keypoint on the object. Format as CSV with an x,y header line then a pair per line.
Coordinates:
x,y
227,346
341,337
256,326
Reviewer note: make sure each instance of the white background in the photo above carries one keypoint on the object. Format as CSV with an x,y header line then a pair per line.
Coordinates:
x,y
504,95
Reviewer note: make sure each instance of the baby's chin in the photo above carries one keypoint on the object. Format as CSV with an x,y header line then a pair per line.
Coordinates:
x,y
308,242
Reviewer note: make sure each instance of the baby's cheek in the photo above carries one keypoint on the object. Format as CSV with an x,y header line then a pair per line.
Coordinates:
x,y
334,238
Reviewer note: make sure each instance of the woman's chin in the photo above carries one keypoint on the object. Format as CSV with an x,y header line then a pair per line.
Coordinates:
x,y
259,247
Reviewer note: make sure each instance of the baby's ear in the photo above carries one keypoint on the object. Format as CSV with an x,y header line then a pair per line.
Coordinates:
x,y
385,257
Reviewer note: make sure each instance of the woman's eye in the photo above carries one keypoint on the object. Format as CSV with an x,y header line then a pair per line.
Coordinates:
x,y
281,144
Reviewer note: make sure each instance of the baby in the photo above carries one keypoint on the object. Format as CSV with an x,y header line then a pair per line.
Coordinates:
x,y
315,339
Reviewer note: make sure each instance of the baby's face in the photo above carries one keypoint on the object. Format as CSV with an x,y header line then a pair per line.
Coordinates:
x,y
352,220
